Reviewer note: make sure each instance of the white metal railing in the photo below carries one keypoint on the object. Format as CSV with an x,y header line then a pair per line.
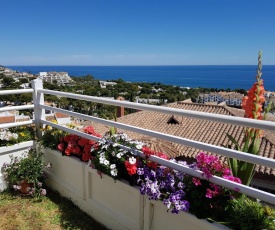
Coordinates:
x,y
39,109
21,107
15,91
259,124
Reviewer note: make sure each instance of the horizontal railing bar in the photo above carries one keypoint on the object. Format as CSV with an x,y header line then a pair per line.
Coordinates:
x,y
21,107
15,91
15,124
191,143
253,123
73,131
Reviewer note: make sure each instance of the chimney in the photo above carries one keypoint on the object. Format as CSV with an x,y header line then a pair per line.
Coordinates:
x,y
120,109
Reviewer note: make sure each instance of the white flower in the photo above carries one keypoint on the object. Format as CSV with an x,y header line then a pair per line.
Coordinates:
x,y
114,172
132,160
113,153
139,146
112,166
106,162
101,160
119,155
115,144
105,147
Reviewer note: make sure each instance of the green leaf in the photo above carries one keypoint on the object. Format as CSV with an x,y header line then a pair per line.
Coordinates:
x,y
233,165
112,131
237,147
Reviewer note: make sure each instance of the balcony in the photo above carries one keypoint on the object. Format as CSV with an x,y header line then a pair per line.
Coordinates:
x,y
118,205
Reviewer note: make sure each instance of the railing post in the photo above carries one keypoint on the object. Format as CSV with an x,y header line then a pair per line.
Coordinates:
x,y
38,99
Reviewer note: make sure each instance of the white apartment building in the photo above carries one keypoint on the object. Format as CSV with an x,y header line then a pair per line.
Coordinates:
x,y
103,84
230,98
62,78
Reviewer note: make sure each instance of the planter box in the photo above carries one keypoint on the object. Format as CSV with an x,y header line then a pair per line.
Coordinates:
x,y
115,204
156,217
118,205
66,171
5,152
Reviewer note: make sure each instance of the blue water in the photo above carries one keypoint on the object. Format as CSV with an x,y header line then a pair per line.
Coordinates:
x,y
226,76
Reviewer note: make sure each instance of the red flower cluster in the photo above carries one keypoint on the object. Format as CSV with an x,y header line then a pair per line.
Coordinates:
x,y
74,145
148,152
131,168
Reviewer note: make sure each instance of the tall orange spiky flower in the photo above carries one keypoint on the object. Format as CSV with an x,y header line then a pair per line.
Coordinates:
x,y
253,107
253,102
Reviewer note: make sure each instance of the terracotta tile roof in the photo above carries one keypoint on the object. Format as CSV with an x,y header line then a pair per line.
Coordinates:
x,y
7,119
199,130
61,115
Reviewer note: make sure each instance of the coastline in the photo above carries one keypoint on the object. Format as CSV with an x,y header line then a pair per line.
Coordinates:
x,y
205,76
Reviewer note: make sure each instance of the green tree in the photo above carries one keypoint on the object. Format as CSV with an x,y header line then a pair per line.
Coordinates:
x,y
25,98
7,81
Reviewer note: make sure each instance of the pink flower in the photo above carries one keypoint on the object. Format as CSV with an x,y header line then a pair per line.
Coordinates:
x,y
217,166
226,171
232,178
208,193
206,173
196,181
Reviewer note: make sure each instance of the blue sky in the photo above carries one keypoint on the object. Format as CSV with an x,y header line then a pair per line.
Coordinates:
x,y
128,32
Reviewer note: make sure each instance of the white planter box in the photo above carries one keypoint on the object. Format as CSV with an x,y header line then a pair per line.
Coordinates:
x,y
118,205
14,150
115,204
66,171
156,217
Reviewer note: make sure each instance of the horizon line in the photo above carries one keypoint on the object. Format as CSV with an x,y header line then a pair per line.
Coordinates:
x,y
148,65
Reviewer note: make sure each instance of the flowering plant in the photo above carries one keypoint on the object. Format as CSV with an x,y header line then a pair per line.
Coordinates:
x,y
252,105
208,199
27,169
110,158
181,192
51,136
16,135
71,144
178,191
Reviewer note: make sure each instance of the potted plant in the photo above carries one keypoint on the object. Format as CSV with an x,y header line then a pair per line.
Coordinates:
x,y
26,174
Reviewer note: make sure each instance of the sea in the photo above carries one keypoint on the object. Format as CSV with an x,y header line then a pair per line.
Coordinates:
x,y
206,76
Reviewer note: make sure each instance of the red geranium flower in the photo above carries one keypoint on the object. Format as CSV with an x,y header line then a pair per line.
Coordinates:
x,y
131,168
